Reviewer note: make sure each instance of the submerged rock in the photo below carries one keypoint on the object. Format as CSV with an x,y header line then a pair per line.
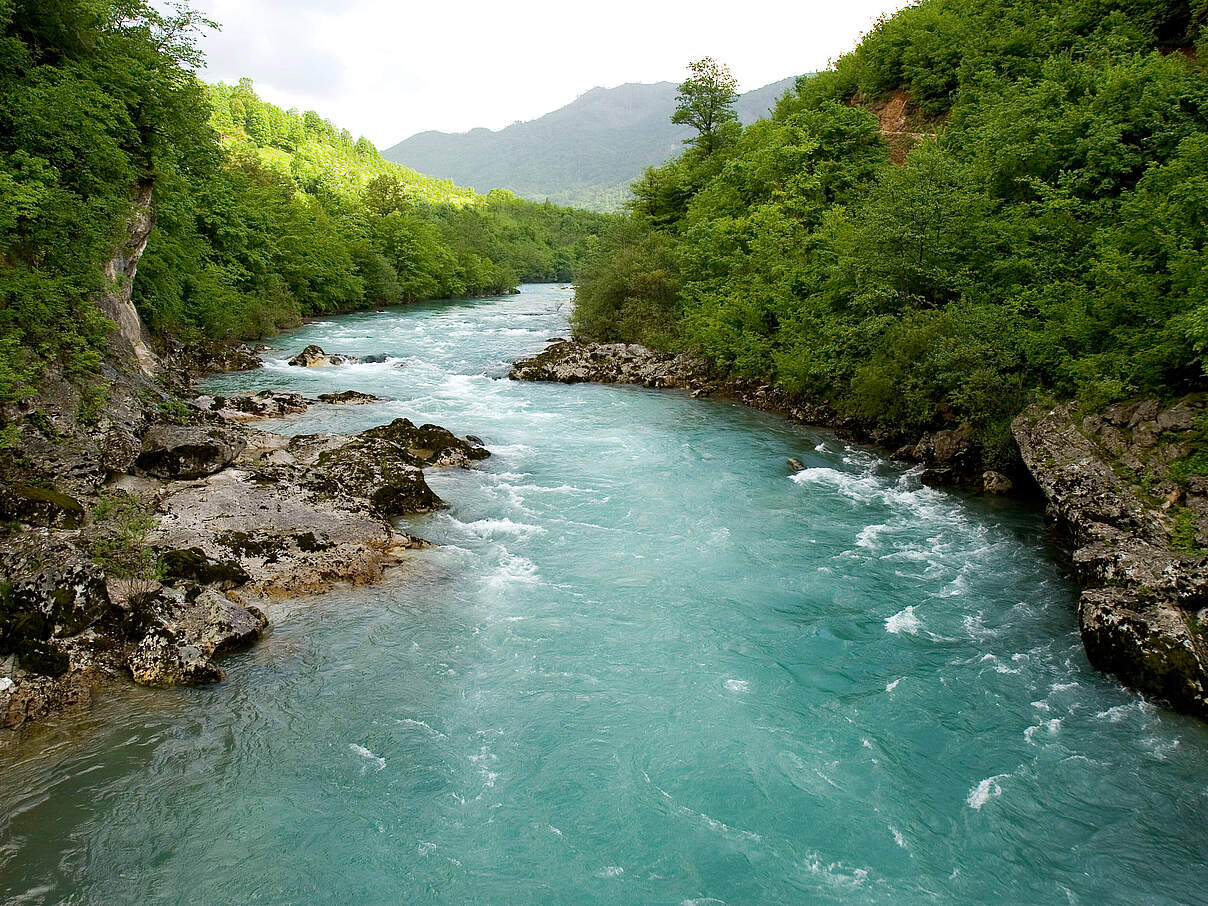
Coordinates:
x,y
188,451
795,465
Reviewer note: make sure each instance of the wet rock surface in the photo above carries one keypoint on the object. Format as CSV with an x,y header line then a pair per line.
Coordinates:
x,y
314,357
1134,536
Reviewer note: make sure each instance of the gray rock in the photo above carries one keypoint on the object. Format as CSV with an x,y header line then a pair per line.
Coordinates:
x,y
188,451
574,362
186,630
314,357
1137,610
349,397
795,465
49,589
996,483
246,407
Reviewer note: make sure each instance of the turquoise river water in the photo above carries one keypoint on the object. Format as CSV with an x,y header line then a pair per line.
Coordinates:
x,y
644,665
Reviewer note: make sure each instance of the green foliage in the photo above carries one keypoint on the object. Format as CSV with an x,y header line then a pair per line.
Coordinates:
x,y
121,524
1183,528
1045,241
263,216
706,103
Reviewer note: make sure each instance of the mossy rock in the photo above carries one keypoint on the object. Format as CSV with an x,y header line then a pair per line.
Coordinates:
x,y
39,506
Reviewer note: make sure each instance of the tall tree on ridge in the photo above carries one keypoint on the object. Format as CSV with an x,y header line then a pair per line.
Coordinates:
x,y
706,102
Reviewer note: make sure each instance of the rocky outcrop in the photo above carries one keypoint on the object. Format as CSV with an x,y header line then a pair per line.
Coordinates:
x,y
240,515
49,591
184,631
950,456
349,397
249,407
201,356
119,273
611,363
314,357
188,451
1135,537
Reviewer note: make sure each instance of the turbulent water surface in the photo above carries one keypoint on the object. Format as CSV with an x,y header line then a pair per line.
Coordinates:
x,y
642,665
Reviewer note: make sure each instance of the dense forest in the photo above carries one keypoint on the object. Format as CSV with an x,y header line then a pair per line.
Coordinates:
x,y
986,203
262,216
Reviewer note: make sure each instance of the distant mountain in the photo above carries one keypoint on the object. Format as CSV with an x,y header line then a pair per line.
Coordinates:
x,y
584,154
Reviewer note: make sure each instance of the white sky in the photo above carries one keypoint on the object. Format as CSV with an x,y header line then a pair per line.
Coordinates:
x,y
390,69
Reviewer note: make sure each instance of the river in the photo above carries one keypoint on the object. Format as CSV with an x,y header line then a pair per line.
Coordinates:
x,y
642,664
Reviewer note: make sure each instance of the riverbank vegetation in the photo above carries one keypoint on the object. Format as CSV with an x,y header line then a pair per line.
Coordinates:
x,y
984,204
262,216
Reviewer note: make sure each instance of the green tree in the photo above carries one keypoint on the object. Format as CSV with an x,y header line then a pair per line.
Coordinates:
x,y
706,102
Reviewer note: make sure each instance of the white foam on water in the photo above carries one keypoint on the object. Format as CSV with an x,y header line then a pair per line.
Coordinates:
x,y
835,874
985,791
904,621
375,760
610,871
553,830
897,837
1050,727
867,537
889,687
703,901
1121,712
513,570
737,685
494,528
855,487
710,822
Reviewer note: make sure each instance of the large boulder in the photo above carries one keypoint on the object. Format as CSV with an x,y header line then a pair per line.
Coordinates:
x,y
188,451
246,407
184,630
49,590
349,397
314,357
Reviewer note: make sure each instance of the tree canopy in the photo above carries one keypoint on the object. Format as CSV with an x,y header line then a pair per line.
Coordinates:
x,y
984,204
261,215
706,102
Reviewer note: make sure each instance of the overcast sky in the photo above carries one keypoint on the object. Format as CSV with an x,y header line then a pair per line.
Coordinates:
x,y
390,69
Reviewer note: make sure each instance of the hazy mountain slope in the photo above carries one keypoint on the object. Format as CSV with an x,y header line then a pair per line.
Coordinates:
x,y
584,154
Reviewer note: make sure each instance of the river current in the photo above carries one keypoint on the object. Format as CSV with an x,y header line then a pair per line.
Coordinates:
x,y
643,664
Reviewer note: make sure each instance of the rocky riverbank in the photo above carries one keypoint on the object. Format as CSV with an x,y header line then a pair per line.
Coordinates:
x,y
949,456
141,545
1136,530
1136,537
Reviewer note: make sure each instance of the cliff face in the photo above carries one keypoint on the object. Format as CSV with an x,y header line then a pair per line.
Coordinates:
x,y
120,271
1135,536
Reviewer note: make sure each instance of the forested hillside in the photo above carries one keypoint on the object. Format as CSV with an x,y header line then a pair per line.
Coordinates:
x,y
1043,238
584,154
260,216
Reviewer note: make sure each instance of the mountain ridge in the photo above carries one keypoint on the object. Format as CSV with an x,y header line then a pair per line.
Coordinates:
x,y
585,153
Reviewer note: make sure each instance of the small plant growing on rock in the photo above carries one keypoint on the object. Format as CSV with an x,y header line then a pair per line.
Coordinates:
x,y
1183,530
121,524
